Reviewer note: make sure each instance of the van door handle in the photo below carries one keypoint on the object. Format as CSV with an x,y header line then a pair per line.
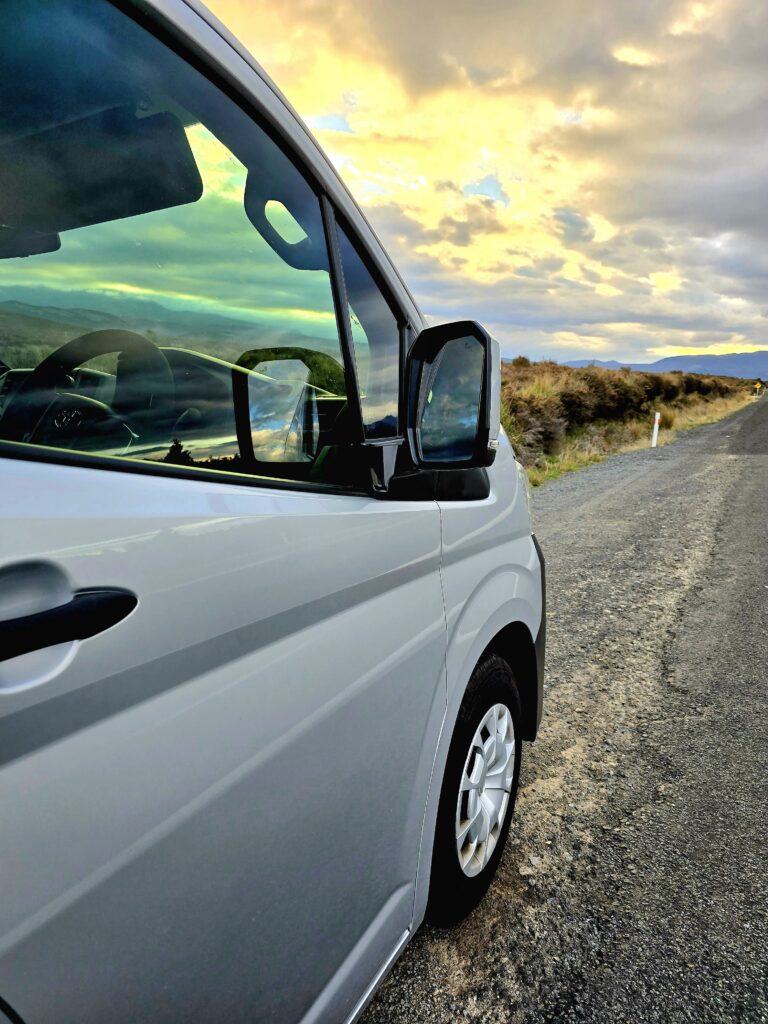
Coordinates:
x,y
88,613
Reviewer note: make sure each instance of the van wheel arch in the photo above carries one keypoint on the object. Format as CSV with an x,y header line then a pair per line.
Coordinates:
x,y
515,645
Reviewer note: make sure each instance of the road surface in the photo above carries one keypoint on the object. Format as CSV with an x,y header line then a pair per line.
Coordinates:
x,y
635,884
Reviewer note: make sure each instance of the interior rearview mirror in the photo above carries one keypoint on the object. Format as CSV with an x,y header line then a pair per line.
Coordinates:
x,y
323,371
454,397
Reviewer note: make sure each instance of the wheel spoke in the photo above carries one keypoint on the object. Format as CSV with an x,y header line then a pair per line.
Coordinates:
x,y
466,858
500,775
489,749
489,815
498,799
470,826
493,720
462,832
473,804
499,781
471,779
502,731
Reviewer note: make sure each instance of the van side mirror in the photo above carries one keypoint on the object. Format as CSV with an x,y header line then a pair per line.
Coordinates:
x,y
454,397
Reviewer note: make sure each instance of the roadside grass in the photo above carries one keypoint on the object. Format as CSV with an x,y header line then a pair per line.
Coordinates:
x,y
561,418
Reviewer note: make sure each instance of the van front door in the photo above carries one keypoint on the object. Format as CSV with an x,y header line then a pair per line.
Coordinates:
x,y
210,802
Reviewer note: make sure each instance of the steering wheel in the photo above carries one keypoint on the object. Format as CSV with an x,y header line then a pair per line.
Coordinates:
x,y
43,410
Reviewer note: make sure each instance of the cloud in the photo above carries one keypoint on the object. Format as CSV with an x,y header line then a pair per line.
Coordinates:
x,y
571,172
572,226
479,218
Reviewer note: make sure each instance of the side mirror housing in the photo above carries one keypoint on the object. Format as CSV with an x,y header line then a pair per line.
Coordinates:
x,y
453,397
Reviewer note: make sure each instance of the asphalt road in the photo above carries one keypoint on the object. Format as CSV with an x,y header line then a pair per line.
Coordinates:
x,y
635,884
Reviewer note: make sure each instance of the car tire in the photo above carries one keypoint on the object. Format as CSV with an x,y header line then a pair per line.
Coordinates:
x,y
479,784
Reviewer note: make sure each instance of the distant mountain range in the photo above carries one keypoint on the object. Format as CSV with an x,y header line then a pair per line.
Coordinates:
x,y
736,364
129,313
35,321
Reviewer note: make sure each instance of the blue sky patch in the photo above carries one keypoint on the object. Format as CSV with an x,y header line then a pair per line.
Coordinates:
x,y
330,122
489,186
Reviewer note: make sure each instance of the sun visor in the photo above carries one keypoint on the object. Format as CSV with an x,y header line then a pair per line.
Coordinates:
x,y
26,243
106,167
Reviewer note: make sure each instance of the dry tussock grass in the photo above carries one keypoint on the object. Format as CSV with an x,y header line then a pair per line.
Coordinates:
x,y
561,418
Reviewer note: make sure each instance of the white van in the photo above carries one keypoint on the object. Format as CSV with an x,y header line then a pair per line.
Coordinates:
x,y
271,611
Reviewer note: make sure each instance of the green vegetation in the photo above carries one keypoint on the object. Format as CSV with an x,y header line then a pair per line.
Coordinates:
x,y
324,371
561,418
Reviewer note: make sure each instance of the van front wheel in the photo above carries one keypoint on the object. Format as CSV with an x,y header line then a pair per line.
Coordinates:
x,y
478,794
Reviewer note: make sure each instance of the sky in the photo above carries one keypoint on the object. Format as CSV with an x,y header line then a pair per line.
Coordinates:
x,y
587,178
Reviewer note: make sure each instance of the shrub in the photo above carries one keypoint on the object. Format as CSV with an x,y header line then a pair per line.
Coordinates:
x,y
577,404
549,409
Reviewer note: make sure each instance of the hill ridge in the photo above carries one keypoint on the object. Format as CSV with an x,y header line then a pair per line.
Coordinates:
x,y
731,364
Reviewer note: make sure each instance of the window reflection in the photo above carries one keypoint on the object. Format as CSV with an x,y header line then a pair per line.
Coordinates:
x,y
209,249
452,402
376,340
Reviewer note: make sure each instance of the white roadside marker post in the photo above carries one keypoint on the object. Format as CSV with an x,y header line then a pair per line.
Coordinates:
x,y
655,435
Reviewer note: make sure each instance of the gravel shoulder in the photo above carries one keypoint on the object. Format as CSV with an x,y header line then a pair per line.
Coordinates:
x,y
634,884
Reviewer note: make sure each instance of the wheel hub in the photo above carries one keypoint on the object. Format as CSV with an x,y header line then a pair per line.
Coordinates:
x,y
486,784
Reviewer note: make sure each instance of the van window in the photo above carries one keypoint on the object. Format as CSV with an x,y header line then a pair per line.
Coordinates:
x,y
164,273
376,341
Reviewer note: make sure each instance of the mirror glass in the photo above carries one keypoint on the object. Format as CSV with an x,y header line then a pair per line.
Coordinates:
x,y
451,390
282,418
284,369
